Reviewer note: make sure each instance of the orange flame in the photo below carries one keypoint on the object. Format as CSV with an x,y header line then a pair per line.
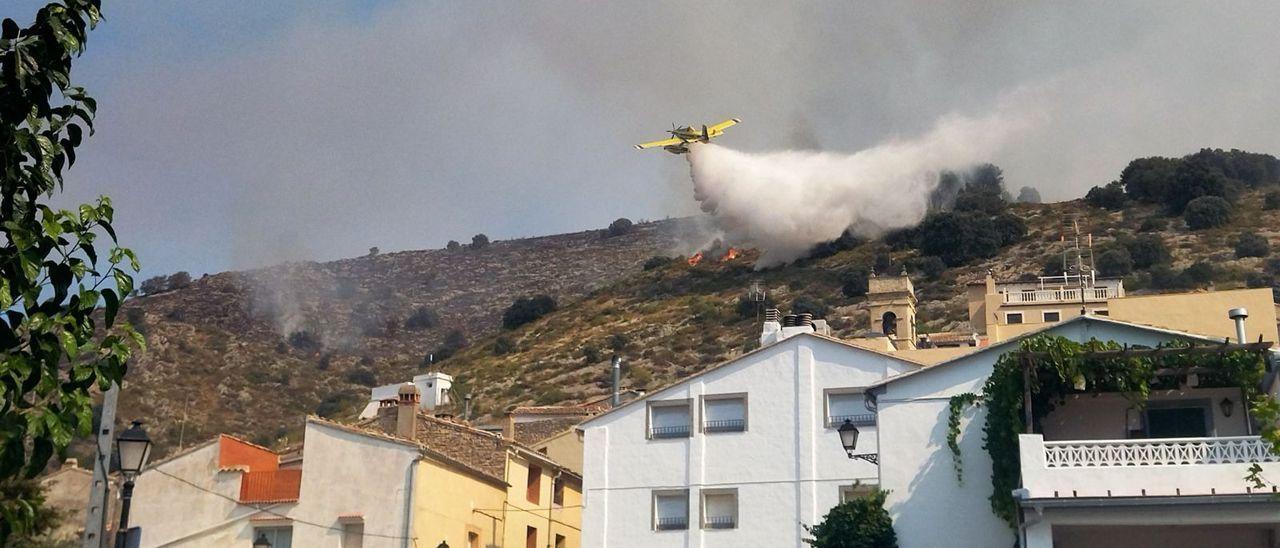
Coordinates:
x,y
730,255
695,259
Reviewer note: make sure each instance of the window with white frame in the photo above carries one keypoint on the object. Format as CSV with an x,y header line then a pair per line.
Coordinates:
x,y
670,419
719,508
279,537
848,404
724,413
671,510
1013,318
1050,316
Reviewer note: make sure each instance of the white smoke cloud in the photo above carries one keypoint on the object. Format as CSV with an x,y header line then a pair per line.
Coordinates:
x,y
785,202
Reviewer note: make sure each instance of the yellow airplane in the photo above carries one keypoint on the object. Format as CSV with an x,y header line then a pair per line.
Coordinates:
x,y
682,136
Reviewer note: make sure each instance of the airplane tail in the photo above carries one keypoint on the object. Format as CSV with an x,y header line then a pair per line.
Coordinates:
x,y
705,137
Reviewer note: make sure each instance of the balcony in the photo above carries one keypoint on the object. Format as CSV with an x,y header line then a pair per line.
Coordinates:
x,y
1142,467
726,425
1071,295
672,523
719,522
860,419
666,432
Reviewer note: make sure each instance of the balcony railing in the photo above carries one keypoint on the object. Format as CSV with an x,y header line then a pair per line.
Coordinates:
x,y
719,522
663,432
725,425
1093,294
863,419
673,524
1157,452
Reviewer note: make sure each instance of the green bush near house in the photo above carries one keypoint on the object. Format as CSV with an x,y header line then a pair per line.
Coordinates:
x,y
859,523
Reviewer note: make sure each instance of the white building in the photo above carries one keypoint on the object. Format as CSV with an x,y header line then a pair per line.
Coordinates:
x,y
434,387
227,492
1103,473
743,454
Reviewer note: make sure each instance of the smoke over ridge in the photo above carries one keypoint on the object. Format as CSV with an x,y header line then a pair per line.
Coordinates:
x,y
785,202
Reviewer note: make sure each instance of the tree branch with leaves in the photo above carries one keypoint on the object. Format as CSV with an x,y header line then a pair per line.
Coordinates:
x,y
59,337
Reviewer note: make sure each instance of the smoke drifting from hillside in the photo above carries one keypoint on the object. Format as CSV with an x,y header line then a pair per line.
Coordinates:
x,y
784,203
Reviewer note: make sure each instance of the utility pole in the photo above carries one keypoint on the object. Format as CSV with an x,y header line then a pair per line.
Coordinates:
x,y
95,525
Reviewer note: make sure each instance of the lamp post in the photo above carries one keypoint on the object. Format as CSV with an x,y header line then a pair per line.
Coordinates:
x,y
133,448
261,541
849,439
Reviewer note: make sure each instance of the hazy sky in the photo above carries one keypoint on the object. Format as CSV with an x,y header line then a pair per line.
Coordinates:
x,y
238,133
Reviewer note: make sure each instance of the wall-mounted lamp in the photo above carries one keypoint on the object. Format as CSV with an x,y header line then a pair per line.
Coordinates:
x,y
1227,406
849,439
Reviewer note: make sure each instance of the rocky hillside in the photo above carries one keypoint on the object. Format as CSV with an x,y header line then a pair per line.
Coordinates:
x,y
251,353
254,352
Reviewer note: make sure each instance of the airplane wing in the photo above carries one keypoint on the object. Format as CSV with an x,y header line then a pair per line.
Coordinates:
x,y
662,143
723,125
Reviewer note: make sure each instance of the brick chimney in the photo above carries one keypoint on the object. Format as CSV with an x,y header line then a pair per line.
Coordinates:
x,y
407,410
509,427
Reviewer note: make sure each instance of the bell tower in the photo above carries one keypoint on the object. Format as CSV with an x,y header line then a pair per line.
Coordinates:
x,y
891,301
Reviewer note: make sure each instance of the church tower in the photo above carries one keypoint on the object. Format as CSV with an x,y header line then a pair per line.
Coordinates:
x,y
892,304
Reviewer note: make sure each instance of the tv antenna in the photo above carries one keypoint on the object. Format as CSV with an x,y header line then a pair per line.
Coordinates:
x,y
1077,257
757,295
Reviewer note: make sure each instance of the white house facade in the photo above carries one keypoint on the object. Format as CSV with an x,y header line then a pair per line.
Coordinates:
x,y
1101,472
744,454
350,490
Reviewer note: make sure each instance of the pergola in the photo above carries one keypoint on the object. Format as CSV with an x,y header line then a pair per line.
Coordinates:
x,y
1028,360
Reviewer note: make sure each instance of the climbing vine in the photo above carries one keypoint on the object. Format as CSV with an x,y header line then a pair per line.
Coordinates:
x,y
1062,368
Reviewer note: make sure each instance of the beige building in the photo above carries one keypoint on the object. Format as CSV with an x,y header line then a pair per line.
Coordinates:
x,y
1001,310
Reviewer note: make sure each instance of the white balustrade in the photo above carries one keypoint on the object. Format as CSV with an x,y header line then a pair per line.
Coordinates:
x,y
1059,295
1157,452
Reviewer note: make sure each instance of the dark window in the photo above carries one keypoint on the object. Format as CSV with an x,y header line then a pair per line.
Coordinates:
x,y
557,491
1013,318
473,540
1101,312
889,324
533,487
1177,422
560,541
530,537
1052,316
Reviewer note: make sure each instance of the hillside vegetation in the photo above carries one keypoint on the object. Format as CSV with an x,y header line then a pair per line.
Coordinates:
x,y
250,353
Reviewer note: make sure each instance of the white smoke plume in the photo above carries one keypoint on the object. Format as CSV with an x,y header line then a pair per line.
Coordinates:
x,y
783,203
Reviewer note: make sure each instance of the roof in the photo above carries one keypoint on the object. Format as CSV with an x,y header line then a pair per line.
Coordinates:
x,y
1029,334
237,454
536,431
751,353
471,449
270,486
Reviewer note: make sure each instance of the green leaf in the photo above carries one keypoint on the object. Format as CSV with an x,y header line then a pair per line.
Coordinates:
x,y
69,344
113,305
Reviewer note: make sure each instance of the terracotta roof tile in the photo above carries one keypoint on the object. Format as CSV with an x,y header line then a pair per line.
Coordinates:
x,y
270,486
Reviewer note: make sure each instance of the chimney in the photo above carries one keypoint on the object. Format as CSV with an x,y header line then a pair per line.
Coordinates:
x,y
407,410
509,427
466,407
615,399
1239,315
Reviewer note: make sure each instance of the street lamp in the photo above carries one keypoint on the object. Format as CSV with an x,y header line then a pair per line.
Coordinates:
x,y
849,439
1227,407
261,541
133,448
442,544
